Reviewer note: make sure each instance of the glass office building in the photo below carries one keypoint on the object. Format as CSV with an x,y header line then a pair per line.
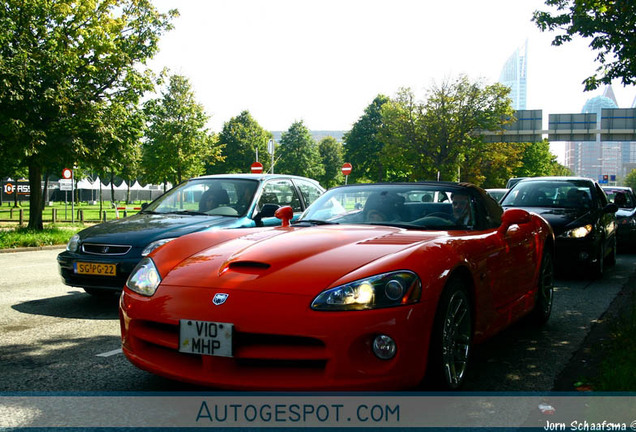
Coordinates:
x,y
514,75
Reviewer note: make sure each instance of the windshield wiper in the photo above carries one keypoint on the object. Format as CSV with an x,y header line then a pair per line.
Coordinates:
x,y
315,222
189,212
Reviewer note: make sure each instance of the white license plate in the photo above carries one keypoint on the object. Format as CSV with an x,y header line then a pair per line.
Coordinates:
x,y
205,337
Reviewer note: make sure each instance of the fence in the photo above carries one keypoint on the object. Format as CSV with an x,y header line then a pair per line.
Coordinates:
x,y
91,214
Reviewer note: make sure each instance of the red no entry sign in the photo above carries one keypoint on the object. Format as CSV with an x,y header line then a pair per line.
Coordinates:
x,y
256,168
346,168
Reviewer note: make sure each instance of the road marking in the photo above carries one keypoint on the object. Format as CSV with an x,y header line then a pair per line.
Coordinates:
x,y
110,353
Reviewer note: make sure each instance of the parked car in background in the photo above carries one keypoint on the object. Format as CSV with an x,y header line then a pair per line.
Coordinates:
x,y
625,200
583,219
497,194
375,286
100,258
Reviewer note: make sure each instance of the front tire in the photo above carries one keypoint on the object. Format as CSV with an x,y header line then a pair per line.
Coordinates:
x,y
452,337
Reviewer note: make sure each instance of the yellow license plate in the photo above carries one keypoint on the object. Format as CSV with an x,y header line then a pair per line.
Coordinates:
x,y
97,269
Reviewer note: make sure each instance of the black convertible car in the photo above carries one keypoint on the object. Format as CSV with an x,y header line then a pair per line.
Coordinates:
x,y
582,217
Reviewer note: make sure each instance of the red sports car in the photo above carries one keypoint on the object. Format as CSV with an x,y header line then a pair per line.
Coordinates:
x,y
376,287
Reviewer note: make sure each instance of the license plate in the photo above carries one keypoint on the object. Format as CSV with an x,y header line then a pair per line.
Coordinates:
x,y
205,337
95,269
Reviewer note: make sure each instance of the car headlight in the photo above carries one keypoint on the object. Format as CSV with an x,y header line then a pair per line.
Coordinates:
x,y
154,245
380,291
145,278
579,232
73,243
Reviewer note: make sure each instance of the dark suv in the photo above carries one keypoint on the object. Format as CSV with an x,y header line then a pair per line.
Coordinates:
x,y
582,217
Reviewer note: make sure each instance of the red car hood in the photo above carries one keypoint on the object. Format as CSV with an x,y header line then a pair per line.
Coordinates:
x,y
293,260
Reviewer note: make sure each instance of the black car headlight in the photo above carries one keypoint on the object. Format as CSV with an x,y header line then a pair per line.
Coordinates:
x,y
145,278
73,243
375,292
578,232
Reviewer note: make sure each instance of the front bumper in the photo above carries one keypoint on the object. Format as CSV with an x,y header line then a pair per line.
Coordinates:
x,y
576,252
124,266
279,343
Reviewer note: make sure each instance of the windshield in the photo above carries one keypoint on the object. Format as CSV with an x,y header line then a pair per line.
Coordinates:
x,y
574,194
213,196
419,206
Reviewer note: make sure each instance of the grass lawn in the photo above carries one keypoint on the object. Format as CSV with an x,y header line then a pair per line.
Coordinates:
x,y
69,219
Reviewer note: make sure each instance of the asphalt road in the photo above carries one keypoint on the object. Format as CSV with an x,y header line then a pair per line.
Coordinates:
x,y
57,338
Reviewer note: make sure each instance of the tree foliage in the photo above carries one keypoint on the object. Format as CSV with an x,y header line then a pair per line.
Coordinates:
x,y
630,180
63,65
610,24
178,143
331,158
437,138
298,153
494,164
241,138
363,145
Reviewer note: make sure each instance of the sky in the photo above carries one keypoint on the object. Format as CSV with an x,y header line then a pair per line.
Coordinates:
x,y
324,61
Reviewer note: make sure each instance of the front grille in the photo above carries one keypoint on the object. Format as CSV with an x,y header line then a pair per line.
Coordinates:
x,y
251,350
105,249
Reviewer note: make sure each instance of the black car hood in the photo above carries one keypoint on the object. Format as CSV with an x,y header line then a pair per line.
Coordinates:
x,y
561,219
141,229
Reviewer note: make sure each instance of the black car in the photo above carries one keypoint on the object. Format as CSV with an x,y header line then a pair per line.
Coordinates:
x,y
582,217
625,200
100,258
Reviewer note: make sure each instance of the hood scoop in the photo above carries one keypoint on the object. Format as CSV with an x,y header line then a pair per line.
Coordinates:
x,y
254,267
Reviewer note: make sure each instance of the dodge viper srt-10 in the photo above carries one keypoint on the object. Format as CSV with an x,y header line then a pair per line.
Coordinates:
x,y
374,287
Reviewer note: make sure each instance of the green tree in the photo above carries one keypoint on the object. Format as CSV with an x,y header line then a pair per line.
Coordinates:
x,y
331,156
495,164
610,24
630,180
63,63
178,143
242,137
363,146
441,137
298,153
537,160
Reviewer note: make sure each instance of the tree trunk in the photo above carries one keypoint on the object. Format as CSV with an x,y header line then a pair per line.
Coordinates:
x,y
35,198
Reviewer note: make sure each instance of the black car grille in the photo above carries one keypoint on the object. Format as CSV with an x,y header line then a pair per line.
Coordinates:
x,y
105,249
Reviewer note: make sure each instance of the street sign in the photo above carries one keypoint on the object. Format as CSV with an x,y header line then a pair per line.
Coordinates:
x,y
270,146
66,184
256,168
67,173
346,168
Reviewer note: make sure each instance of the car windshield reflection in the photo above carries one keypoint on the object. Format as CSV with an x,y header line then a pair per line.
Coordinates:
x,y
558,194
413,206
212,197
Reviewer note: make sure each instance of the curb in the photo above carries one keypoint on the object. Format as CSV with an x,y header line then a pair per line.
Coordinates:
x,y
33,248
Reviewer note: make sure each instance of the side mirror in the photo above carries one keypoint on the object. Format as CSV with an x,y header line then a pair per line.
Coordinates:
x,y
285,214
268,210
143,206
514,216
